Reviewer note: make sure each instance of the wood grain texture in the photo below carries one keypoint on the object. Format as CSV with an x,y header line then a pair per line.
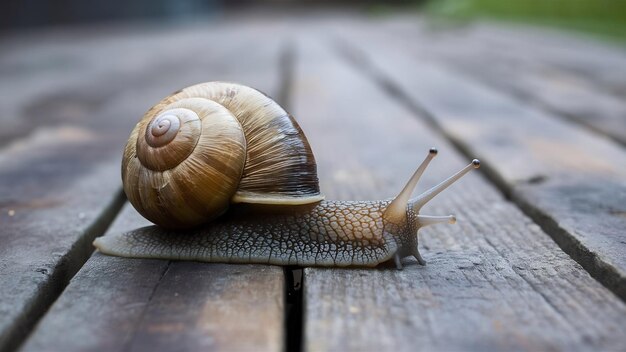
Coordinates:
x,y
82,319
46,237
59,183
595,61
495,281
165,306
538,72
569,180
574,54
119,304
60,76
216,307
58,189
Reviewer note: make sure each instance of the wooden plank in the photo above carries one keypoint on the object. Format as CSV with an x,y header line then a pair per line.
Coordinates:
x,y
118,304
45,69
214,307
102,286
180,306
59,186
495,281
46,229
569,181
599,62
511,62
52,76
573,53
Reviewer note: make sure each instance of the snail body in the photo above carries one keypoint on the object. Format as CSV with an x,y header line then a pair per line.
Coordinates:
x,y
221,146
303,236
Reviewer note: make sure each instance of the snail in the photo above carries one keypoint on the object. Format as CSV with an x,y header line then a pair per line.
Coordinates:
x,y
227,176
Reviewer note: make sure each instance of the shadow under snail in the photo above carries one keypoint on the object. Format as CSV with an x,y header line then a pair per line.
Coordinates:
x,y
219,146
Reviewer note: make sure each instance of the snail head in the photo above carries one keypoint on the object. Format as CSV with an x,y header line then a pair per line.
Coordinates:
x,y
402,218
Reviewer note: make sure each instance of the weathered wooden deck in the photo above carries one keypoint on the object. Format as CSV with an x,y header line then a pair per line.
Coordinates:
x,y
536,262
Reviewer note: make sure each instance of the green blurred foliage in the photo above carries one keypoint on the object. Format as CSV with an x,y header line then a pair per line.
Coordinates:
x,y
601,17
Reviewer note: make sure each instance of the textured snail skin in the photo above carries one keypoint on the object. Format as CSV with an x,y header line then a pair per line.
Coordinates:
x,y
328,233
331,233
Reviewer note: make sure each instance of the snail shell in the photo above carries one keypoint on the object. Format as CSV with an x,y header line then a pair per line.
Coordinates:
x,y
212,144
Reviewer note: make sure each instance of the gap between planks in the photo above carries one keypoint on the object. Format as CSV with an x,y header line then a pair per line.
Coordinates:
x,y
50,290
529,69
150,323
75,161
502,282
607,274
293,276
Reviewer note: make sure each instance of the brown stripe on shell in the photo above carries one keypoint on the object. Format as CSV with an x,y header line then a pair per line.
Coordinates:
x,y
178,187
280,163
242,147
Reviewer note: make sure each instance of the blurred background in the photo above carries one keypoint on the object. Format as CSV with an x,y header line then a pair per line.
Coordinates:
x,y
602,17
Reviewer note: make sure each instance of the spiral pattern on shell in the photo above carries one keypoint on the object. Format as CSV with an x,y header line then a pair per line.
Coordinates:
x,y
209,145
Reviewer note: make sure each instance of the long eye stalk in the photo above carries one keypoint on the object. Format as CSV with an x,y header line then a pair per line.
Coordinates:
x,y
396,211
425,197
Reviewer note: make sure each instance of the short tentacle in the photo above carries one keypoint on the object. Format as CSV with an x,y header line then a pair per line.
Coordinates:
x,y
427,220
